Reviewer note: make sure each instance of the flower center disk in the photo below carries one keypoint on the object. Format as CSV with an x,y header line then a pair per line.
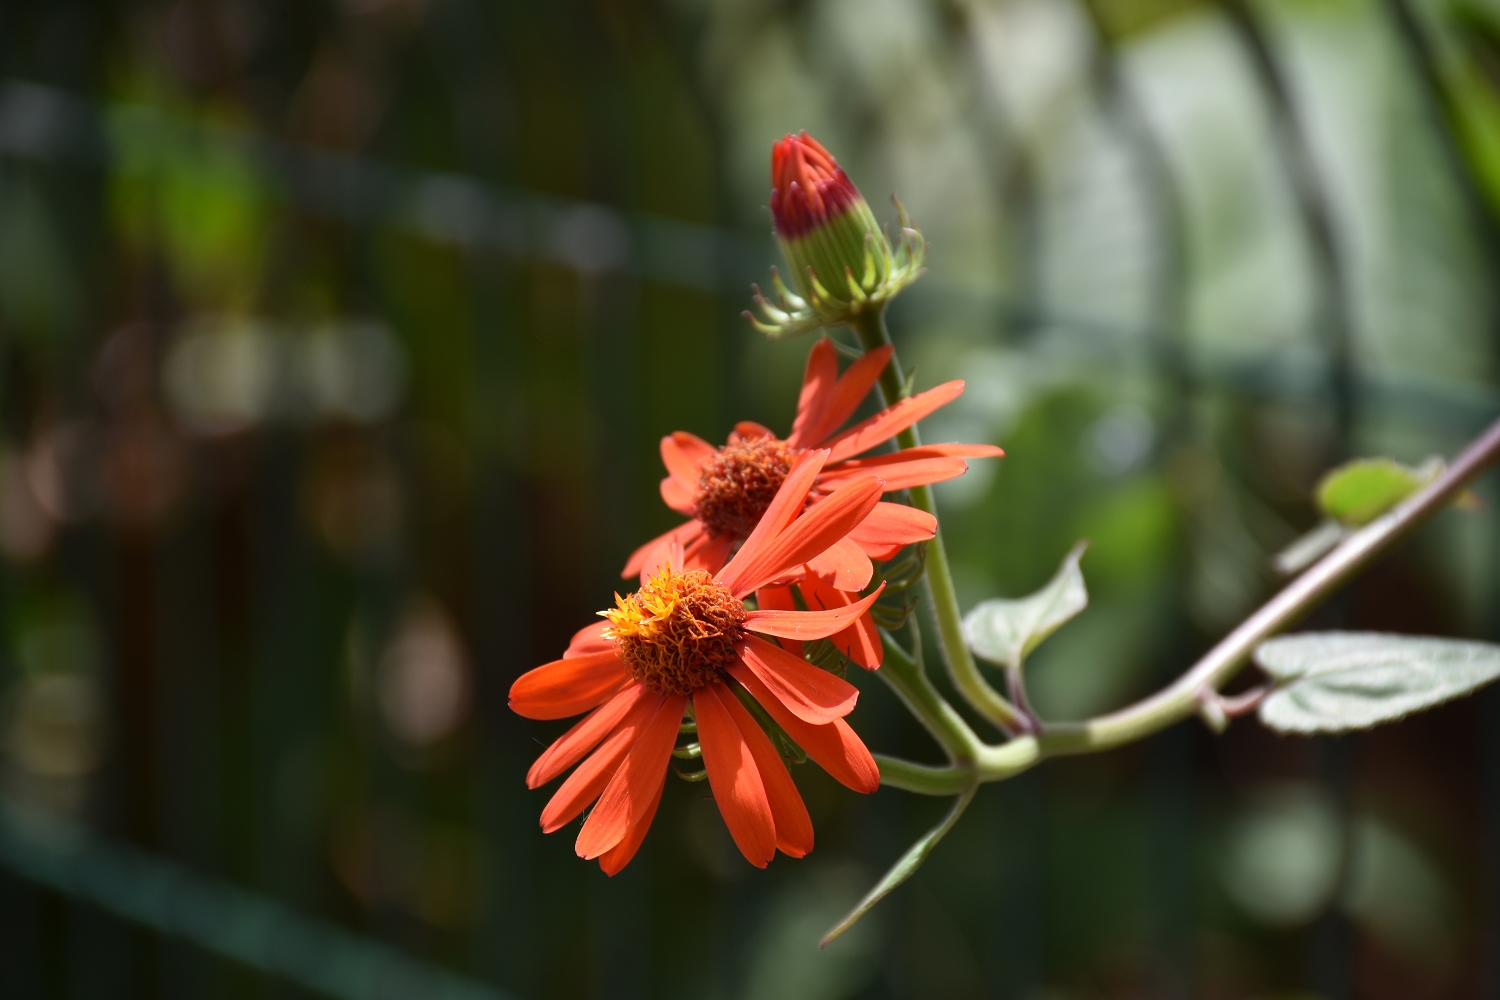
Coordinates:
x,y
678,631
739,483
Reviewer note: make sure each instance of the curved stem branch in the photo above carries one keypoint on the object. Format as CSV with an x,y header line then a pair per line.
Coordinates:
x,y
938,580
906,678
1181,699
924,779
1297,599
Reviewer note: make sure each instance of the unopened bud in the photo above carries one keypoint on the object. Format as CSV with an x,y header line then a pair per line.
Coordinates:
x,y
840,258
822,221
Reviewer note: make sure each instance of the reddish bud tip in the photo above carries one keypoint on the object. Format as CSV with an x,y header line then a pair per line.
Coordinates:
x,y
808,186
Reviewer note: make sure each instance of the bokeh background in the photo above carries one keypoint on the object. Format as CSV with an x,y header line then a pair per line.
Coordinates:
x,y
335,342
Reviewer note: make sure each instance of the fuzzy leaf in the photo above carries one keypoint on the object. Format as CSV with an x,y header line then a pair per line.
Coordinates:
x,y
1006,631
1334,681
1358,492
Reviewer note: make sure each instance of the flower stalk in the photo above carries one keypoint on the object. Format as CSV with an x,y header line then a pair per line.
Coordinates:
x,y
938,582
910,682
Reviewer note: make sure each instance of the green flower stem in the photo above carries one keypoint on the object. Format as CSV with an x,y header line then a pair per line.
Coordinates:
x,y
1183,697
938,580
911,684
924,779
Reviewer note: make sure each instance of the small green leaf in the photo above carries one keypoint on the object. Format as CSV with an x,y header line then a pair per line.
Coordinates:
x,y
1358,492
905,868
1006,631
1333,681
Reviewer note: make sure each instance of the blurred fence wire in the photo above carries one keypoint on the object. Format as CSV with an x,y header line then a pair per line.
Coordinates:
x,y
44,124
47,124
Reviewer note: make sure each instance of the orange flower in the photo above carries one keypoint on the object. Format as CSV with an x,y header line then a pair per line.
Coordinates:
x,y
726,490
686,638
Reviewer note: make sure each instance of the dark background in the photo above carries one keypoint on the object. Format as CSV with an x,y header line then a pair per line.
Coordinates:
x,y
335,343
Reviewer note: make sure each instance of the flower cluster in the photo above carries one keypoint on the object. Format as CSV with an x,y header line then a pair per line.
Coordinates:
x,y
797,524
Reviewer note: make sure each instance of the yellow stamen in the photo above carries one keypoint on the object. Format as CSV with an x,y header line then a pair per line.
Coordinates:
x,y
678,631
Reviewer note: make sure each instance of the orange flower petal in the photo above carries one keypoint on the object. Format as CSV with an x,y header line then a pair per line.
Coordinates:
x,y
811,694
811,534
893,420
818,381
568,748
884,552
835,747
963,450
845,564
667,555
710,552
904,474
589,639
794,829
567,687
784,507
678,495
775,599
820,596
590,778
891,526
779,599
688,534
751,429
852,388
860,641
941,456
634,787
734,777
951,450
617,857
594,774
681,452
808,625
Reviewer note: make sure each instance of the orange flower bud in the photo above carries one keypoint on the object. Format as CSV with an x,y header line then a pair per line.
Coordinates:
x,y
840,259
809,187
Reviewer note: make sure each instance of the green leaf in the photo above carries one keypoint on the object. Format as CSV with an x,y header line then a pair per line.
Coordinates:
x,y
1358,492
905,868
1328,682
1006,631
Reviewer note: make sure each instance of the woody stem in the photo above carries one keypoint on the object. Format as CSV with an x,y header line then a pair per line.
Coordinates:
x,y
869,325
